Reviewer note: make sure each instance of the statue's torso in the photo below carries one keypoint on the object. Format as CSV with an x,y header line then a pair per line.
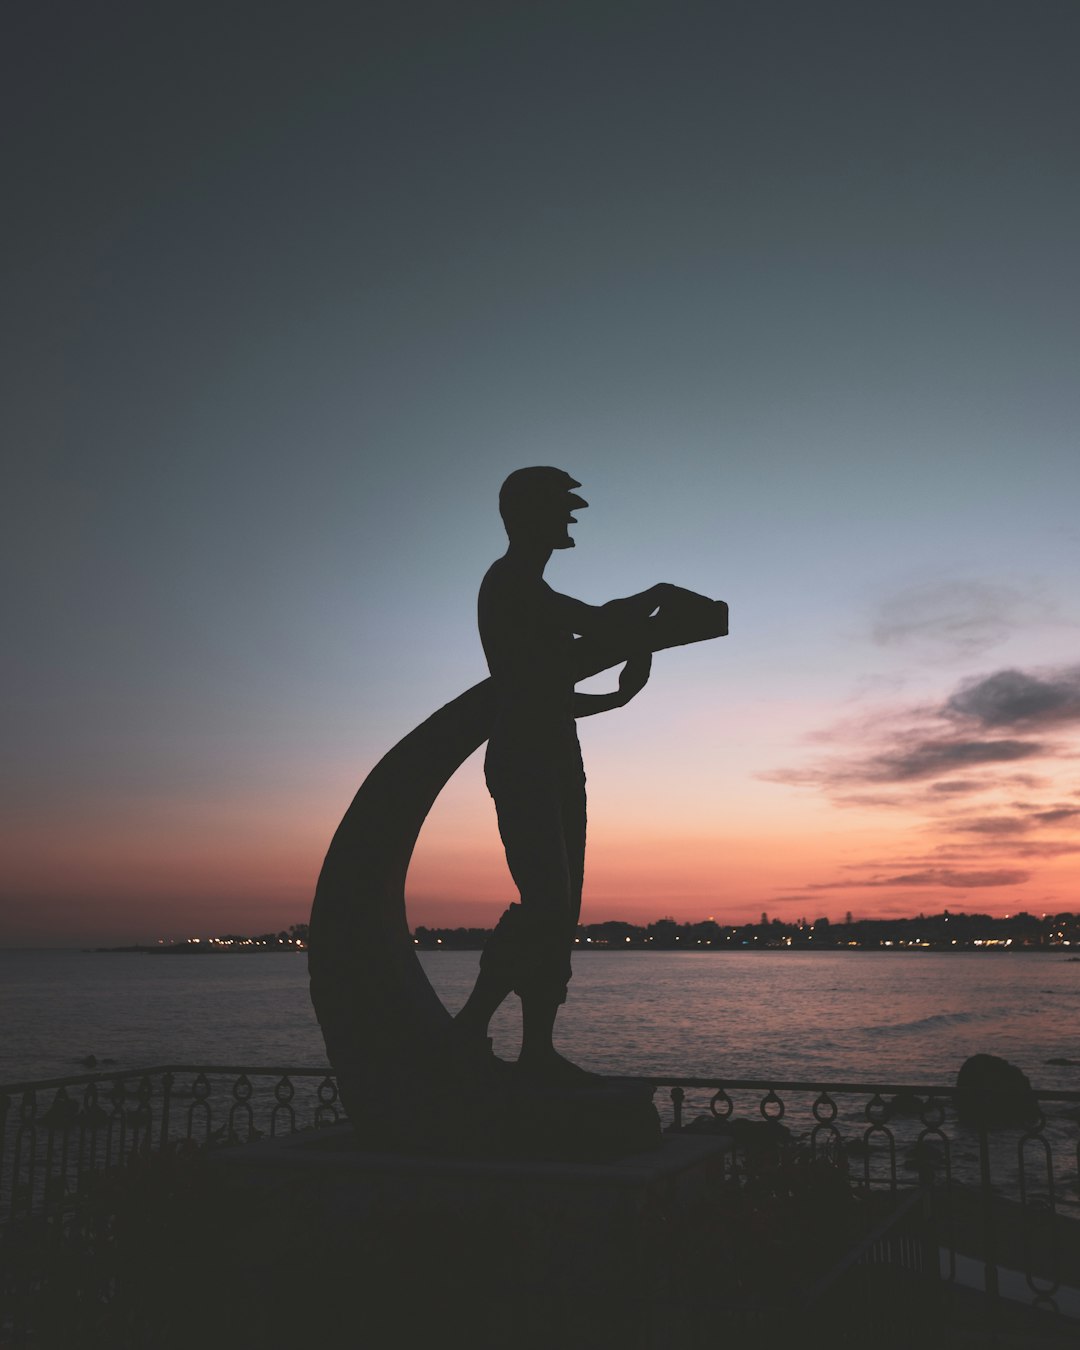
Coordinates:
x,y
530,654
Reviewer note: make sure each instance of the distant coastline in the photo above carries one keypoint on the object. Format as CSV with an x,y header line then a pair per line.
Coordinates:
x,y
944,932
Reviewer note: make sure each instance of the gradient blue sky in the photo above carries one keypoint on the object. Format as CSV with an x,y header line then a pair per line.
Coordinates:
x,y
791,288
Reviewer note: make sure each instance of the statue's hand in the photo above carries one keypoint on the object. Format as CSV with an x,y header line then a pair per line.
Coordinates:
x,y
678,600
634,676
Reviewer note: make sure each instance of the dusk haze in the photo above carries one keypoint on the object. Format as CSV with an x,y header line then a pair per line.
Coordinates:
x,y
790,290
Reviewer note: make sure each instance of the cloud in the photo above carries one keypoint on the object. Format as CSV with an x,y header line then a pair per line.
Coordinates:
x,y
956,617
1048,849
993,825
929,758
1027,819
868,799
944,741
1012,698
932,876
933,758
906,762
948,788
1057,815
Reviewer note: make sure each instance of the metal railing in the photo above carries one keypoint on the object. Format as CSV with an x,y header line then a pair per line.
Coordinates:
x,y
57,1135
1005,1202
1005,1198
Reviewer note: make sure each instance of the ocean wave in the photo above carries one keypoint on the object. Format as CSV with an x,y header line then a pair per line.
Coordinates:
x,y
935,1020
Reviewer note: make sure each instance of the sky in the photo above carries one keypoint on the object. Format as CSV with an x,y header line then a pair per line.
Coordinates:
x,y
789,287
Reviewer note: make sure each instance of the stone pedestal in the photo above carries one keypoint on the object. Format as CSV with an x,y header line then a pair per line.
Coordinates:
x,y
471,1252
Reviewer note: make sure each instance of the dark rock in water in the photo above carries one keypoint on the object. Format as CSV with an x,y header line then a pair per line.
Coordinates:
x,y
753,1136
925,1157
994,1092
906,1104
707,1125
89,1062
1061,1061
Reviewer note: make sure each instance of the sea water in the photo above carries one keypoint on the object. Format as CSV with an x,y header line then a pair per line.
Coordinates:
x,y
890,1017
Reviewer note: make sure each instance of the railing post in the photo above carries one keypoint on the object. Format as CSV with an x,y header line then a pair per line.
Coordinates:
x,y
677,1097
5,1106
166,1101
988,1219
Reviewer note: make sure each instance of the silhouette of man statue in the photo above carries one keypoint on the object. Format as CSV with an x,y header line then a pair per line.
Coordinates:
x,y
411,1076
533,765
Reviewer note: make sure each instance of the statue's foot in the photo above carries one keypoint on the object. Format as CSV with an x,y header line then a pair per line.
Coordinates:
x,y
548,1068
473,1034
479,1050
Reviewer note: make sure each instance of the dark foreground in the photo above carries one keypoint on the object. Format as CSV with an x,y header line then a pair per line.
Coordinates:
x,y
198,1206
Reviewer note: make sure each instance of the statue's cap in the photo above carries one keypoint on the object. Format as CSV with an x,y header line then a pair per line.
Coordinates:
x,y
535,486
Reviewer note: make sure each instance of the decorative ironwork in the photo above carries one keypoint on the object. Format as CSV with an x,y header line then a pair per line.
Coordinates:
x,y
772,1106
896,1137
284,1092
1037,1222
720,1105
998,1196
326,1113
57,1136
825,1138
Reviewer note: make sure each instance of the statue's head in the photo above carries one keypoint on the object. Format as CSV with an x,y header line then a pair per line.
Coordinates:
x,y
536,506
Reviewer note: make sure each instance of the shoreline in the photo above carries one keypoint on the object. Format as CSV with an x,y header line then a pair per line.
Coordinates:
x,y
183,949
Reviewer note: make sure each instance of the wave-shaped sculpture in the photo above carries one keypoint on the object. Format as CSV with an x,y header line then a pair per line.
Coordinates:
x,y
406,1077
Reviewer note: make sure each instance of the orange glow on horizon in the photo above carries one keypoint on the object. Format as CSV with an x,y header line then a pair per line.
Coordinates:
x,y
685,841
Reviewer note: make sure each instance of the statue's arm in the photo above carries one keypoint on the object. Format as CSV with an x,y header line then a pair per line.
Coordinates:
x,y
619,618
626,617
676,625
632,680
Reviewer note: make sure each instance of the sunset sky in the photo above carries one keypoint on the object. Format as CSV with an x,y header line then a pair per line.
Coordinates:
x,y
790,287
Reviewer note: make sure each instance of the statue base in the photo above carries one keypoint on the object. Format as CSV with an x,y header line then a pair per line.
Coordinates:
x,y
598,1121
487,1253
509,1116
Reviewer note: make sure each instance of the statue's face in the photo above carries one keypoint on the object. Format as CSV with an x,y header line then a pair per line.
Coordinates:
x,y
571,503
539,503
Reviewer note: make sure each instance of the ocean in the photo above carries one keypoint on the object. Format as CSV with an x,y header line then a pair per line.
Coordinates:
x,y
899,1017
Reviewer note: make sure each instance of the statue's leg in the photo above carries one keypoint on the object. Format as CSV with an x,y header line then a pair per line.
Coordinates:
x,y
529,948
488,994
521,783
539,1007
574,825
531,943
542,825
